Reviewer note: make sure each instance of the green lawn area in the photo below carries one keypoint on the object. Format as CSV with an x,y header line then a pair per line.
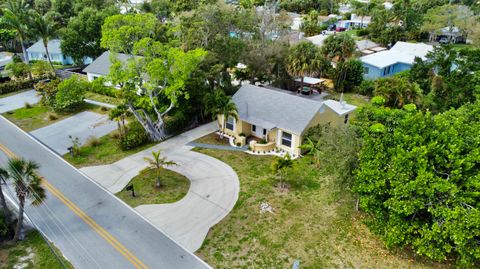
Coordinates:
x,y
106,152
37,116
314,222
102,98
43,258
350,98
174,187
213,139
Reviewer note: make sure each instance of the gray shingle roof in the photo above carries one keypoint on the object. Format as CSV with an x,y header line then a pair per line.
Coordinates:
x,y
53,46
272,108
102,64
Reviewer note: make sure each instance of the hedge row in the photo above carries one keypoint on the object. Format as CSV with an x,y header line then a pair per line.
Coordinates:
x,y
14,85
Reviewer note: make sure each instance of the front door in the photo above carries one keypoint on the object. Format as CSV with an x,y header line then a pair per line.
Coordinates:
x,y
258,131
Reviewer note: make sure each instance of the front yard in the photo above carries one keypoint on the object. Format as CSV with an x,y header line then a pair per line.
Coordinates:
x,y
174,187
313,222
32,117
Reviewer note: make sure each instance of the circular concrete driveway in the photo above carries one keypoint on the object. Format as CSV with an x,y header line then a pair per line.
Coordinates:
x,y
212,195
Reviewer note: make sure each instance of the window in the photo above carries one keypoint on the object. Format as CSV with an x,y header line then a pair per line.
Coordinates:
x,y
230,123
366,70
264,131
346,119
286,139
254,128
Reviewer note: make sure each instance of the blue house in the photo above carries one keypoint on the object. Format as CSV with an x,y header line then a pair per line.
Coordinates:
x,y
390,62
37,53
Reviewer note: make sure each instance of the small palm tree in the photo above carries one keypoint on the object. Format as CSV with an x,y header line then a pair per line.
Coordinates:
x,y
305,59
45,29
3,180
27,184
158,162
221,104
313,149
280,166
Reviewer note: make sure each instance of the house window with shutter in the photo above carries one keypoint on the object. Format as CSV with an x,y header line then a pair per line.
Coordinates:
x,y
230,123
286,139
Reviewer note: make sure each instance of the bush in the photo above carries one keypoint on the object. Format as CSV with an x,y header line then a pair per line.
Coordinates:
x,y
52,116
27,105
48,91
362,32
135,137
366,87
41,69
15,85
98,86
70,94
17,70
176,123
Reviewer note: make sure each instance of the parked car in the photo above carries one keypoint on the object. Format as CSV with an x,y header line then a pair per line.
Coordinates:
x,y
340,29
443,40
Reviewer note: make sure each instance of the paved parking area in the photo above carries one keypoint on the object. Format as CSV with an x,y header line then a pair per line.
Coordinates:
x,y
18,100
82,125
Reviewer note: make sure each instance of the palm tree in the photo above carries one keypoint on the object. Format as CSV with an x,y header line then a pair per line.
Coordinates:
x,y
45,29
279,167
313,149
15,18
3,180
158,162
27,184
341,47
304,59
221,104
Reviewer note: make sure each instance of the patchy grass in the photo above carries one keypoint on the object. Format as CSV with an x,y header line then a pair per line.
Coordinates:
x,y
38,116
350,98
41,256
106,152
102,98
174,187
213,139
313,222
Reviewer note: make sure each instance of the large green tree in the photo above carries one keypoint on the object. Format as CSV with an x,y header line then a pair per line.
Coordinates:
x,y
398,91
15,17
338,47
418,177
305,59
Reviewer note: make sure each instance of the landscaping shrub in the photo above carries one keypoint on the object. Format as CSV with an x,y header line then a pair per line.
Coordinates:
x,y
98,86
27,105
47,91
70,94
17,70
15,85
135,137
362,32
366,87
176,123
52,116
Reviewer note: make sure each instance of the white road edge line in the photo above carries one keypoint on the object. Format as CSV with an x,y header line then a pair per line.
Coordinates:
x,y
104,189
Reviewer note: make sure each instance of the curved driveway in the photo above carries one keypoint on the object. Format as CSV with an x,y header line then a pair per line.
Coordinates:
x,y
213,191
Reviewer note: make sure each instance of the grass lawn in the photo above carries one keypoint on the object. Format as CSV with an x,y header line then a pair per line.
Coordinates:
x,y
43,257
102,98
38,116
314,222
106,152
174,187
213,139
350,98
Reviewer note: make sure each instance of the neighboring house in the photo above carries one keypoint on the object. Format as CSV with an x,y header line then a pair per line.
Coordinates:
x,y
280,118
100,67
366,47
448,35
355,22
37,53
5,58
389,62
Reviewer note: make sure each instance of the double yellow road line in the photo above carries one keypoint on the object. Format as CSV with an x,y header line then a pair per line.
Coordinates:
x,y
87,219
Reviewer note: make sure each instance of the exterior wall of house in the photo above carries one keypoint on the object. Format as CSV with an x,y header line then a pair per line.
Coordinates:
x,y
92,76
373,72
296,142
54,57
327,116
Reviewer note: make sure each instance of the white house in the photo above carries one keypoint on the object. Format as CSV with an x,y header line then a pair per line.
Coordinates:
x,y
37,52
100,67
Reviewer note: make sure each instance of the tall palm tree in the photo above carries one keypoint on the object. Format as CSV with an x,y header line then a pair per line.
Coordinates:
x,y
27,184
15,17
157,162
304,59
3,180
221,104
43,28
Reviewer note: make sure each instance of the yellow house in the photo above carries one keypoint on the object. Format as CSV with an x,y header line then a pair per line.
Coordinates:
x,y
274,119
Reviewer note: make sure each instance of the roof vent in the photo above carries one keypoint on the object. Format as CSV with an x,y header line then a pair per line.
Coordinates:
x,y
342,102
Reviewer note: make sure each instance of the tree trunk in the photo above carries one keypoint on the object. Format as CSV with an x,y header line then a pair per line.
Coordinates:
x,y
45,44
158,184
4,204
25,56
156,131
18,229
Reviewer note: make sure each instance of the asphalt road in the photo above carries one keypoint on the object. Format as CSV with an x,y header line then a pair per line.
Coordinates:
x,y
90,226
